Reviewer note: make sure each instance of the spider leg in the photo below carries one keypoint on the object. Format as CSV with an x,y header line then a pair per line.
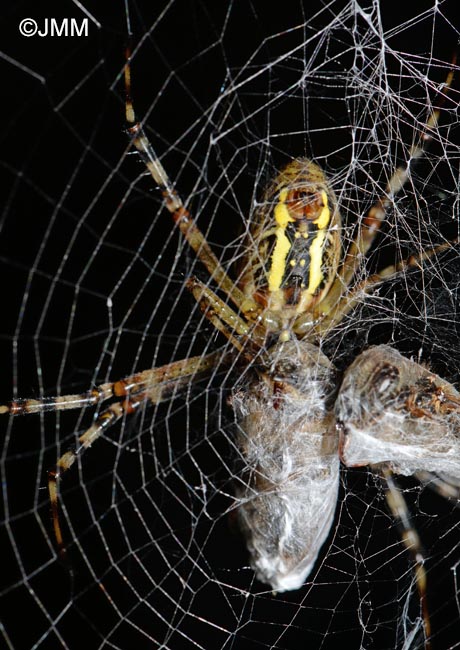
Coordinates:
x,y
350,300
224,318
399,510
59,403
447,487
372,222
157,382
107,418
155,386
181,216
396,416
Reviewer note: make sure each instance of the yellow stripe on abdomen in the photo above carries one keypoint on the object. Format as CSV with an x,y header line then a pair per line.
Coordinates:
x,y
316,248
282,246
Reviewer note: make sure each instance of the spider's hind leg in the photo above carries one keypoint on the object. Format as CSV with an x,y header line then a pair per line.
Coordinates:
x,y
372,222
178,210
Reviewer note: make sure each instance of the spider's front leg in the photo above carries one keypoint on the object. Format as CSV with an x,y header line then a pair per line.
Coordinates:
x,y
149,386
445,486
106,419
398,508
397,417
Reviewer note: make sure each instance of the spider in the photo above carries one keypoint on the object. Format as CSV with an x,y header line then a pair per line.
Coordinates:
x,y
297,420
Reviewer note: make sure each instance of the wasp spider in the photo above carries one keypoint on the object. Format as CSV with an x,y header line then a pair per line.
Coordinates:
x,y
296,420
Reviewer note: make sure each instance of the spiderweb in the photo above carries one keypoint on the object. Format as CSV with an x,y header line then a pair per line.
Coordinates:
x,y
93,290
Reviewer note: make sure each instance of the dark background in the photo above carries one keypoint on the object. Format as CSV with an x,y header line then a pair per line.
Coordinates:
x,y
153,553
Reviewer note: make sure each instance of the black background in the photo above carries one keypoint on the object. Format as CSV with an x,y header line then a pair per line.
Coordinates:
x,y
76,219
